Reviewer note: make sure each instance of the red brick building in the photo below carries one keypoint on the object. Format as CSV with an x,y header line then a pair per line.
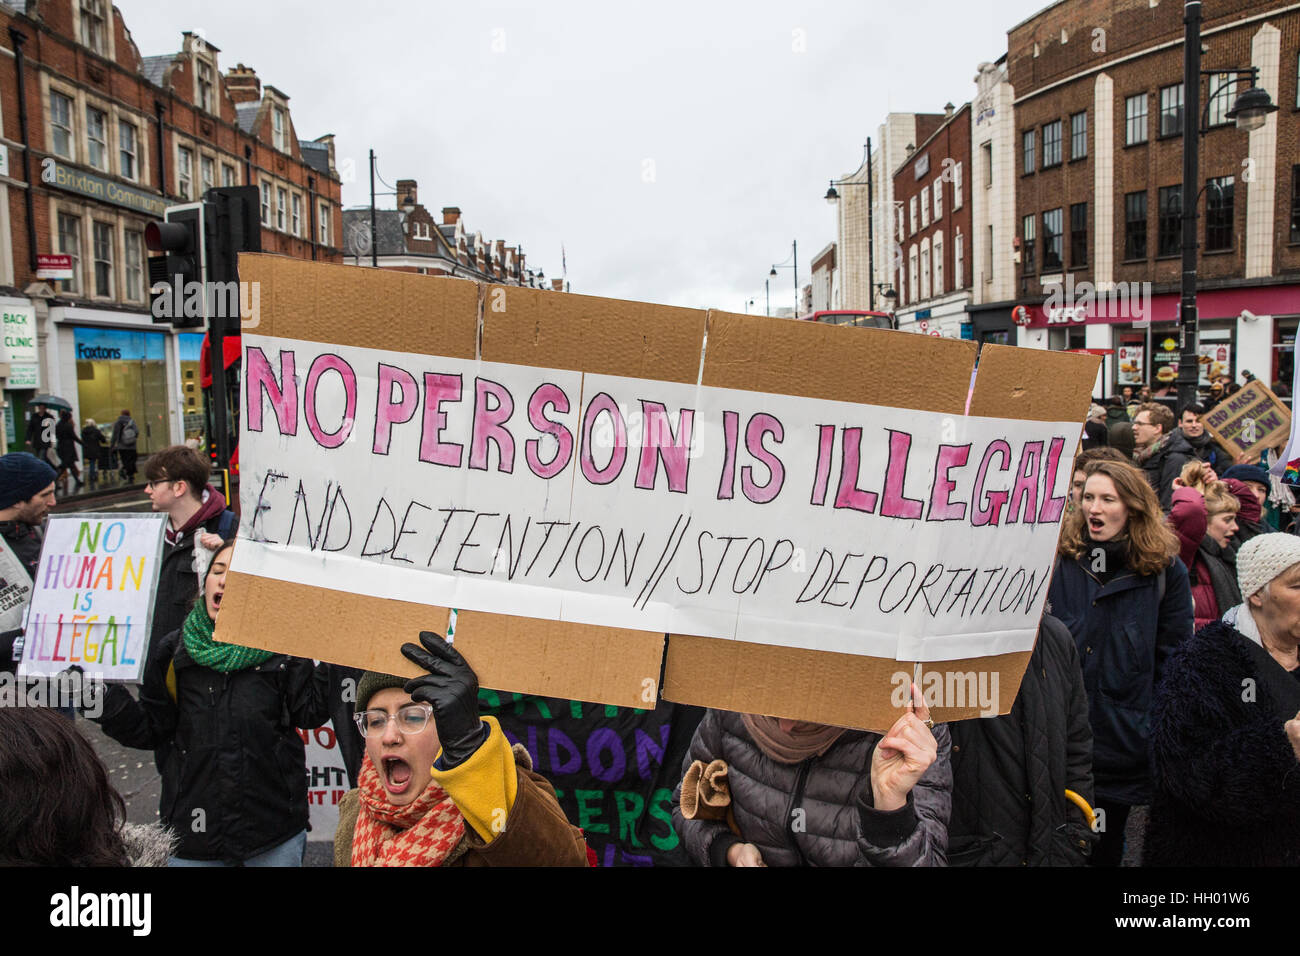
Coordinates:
x,y
932,224
1098,161
100,140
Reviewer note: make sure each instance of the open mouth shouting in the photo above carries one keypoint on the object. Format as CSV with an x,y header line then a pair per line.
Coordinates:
x,y
396,774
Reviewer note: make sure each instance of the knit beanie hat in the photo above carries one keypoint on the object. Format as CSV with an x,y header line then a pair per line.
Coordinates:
x,y
22,476
1263,558
372,683
1247,473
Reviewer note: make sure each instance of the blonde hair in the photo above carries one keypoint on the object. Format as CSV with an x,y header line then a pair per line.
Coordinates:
x,y
1196,474
1219,500
1152,544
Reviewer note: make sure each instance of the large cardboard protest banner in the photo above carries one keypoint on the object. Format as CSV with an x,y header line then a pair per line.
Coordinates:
x,y
806,509
92,599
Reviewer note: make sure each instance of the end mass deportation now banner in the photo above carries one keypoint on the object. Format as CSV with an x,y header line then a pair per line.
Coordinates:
x,y
581,477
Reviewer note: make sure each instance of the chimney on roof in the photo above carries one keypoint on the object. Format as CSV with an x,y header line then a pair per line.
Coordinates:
x,y
450,215
406,194
557,285
911,148
948,110
243,85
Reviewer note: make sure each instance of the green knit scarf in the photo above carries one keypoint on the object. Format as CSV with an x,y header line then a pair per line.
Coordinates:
x,y
224,658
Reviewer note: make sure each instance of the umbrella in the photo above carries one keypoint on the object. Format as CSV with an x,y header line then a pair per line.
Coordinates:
x,y
50,401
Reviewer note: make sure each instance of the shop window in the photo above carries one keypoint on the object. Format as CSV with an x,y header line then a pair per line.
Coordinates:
x,y
1218,214
1295,203
1135,226
1171,110
61,125
1078,135
207,102
1222,93
1027,239
1071,337
135,377
93,26
133,259
102,234
1169,226
184,171
1078,234
1052,144
97,138
70,245
1052,240
126,149
938,264
1135,120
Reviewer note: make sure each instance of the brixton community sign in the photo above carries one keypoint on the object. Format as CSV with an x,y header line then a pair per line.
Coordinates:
x,y
581,476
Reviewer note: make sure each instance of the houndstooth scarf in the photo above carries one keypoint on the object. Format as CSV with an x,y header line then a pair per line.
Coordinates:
x,y
420,834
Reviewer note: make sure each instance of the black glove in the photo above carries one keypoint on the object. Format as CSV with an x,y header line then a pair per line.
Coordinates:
x,y
452,690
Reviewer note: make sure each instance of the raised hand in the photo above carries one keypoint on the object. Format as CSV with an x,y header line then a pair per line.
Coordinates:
x,y
451,689
902,755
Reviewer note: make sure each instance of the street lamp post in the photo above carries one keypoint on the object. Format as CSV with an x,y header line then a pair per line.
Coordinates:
x,y
794,246
833,197
1249,111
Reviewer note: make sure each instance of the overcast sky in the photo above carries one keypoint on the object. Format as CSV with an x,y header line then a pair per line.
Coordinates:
x,y
674,149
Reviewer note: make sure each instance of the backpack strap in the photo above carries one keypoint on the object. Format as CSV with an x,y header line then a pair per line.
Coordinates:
x,y
227,524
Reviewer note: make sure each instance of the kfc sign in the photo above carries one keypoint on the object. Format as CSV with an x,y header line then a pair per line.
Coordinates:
x,y
1063,315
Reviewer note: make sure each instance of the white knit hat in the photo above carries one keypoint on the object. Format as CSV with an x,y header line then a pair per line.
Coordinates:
x,y
1263,558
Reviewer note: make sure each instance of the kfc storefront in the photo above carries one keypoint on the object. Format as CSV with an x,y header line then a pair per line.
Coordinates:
x,y
1238,331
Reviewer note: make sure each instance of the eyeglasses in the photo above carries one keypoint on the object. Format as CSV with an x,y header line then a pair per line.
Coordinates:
x,y
411,719
159,481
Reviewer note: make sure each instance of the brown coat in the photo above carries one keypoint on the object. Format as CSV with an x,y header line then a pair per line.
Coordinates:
x,y
537,833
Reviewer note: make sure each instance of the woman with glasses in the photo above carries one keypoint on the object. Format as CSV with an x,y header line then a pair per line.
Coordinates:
x,y
222,721
440,786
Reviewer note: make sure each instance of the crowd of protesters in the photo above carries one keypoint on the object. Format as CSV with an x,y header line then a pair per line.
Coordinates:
x,y
1164,676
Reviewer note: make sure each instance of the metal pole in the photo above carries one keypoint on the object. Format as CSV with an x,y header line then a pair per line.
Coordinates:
x,y
871,233
374,236
1189,357
794,244
767,295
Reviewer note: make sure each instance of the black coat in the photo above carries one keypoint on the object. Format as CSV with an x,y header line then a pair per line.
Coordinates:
x,y
1167,464
234,774
1124,632
1010,773
1227,782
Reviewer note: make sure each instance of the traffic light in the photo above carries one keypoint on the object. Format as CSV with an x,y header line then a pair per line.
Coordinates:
x,y
195,279
176,276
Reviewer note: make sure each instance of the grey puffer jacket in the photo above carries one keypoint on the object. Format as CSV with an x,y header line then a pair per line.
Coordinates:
x,y
838,825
